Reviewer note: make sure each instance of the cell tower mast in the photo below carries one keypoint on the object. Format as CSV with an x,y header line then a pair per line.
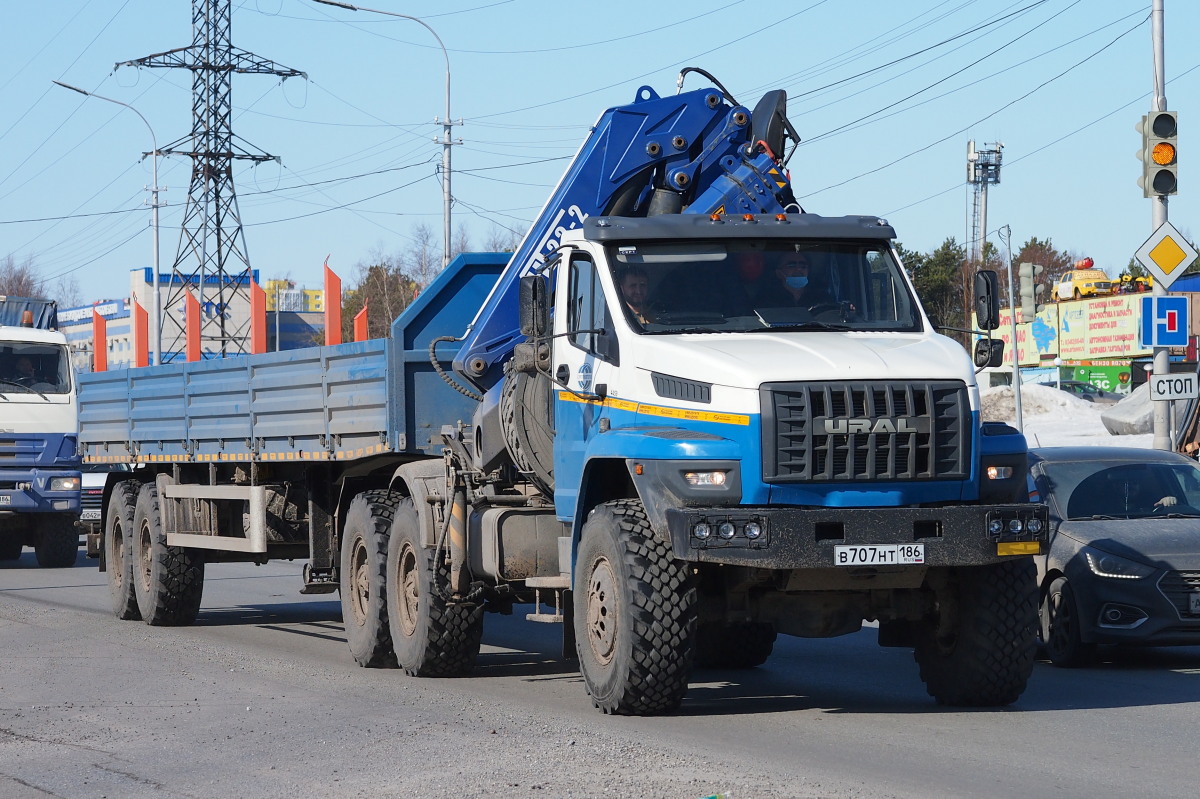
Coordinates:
x,y
212,257
983,167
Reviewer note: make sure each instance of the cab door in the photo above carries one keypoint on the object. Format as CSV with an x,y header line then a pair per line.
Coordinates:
x,y
584,364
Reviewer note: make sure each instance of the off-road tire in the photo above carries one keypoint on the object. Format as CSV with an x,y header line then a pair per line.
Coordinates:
x,y
984,655
168,582
432,638
118,549
734,646
525,407
635,614
364,578
1060,630
57,541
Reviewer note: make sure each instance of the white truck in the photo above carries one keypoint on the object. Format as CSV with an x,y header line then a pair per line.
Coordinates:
x,y
39,464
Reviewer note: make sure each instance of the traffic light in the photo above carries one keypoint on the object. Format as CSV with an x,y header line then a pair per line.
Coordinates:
x,y
1160,171
1029,291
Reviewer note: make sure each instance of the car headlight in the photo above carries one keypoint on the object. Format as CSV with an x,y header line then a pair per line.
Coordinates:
x,y
64,483
1113,567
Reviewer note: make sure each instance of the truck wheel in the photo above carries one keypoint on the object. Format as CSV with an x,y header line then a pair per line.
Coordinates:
x,y
635,614
432,638
12,541
118,549
1060,630
981,653
734,646
57,541
363,578
167,581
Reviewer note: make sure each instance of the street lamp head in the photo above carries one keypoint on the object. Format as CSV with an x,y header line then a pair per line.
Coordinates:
x,y
72,88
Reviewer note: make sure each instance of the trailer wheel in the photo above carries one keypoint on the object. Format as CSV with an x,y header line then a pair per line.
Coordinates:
x,y
167,581
363,578
981,654
57,541
432,638
734,646
635,614
118,549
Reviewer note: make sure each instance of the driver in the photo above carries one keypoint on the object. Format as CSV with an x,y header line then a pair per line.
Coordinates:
x,y
791,284
24,373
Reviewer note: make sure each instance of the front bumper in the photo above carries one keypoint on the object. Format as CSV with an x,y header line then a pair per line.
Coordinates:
x,y
802,538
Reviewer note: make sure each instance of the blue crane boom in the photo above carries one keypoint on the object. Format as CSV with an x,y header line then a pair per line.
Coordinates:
x,y
694,152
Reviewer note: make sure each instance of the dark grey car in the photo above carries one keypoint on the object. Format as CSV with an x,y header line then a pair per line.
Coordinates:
x,y
1123,565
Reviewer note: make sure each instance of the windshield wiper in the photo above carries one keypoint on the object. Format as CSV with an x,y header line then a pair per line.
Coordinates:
x,y
674,330
23,387
800,326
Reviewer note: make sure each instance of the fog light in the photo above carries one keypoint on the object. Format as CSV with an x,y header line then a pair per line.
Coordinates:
x,y
702,531
753,530
1034,526
1015,526
726,530
999,472
64,483
995,526
704,478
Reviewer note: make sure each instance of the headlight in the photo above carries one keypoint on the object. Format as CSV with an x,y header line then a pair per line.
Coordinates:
x,y
1113,567
702,531
999,472
64,483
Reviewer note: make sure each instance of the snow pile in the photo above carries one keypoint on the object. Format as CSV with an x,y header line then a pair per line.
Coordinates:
x,y
1055,418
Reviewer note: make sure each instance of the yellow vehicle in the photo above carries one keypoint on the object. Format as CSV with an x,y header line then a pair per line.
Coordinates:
x,y
1083,282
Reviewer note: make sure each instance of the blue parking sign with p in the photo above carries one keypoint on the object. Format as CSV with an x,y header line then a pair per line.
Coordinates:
x,y
1164,322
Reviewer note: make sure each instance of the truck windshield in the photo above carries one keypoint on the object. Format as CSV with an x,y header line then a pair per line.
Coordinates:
x,y
34,369
758,285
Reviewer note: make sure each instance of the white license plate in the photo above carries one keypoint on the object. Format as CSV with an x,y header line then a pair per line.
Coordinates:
x,y
878,555
1194,602
5,499
90,516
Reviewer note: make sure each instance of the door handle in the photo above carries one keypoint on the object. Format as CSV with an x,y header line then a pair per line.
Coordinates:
x,y
562,374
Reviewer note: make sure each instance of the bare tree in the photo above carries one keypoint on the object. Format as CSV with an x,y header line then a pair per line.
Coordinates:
x,y
501,239
20,278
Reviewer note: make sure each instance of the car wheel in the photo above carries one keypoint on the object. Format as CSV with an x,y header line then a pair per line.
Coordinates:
x,y
1060,628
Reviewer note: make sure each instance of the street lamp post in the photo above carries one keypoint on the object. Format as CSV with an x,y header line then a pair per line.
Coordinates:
x,y
446,123
156,309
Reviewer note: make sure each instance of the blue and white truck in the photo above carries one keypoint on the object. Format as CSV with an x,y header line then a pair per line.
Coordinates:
x,y
39,461
675,485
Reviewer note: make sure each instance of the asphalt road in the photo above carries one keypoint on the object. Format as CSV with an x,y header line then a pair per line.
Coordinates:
x,y
261,699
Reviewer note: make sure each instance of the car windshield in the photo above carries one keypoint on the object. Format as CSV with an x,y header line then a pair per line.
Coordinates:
x,y
34,369
1122,490
761,285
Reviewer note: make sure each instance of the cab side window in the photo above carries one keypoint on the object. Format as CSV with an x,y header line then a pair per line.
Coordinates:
x,y
588,321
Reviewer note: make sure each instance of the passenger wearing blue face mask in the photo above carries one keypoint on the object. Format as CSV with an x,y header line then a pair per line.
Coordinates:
x,y
793,285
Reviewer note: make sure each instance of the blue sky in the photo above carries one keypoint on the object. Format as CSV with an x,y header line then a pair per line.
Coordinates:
x,y
885,95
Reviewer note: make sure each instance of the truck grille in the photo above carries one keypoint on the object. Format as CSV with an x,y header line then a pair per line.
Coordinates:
x,y
875,431
90,498
1177,587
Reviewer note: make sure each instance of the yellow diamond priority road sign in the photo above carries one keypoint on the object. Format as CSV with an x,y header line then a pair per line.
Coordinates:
x,y
1166,254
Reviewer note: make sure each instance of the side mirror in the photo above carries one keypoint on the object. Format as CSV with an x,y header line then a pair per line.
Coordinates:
x,y
989,352
534,305
987,299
